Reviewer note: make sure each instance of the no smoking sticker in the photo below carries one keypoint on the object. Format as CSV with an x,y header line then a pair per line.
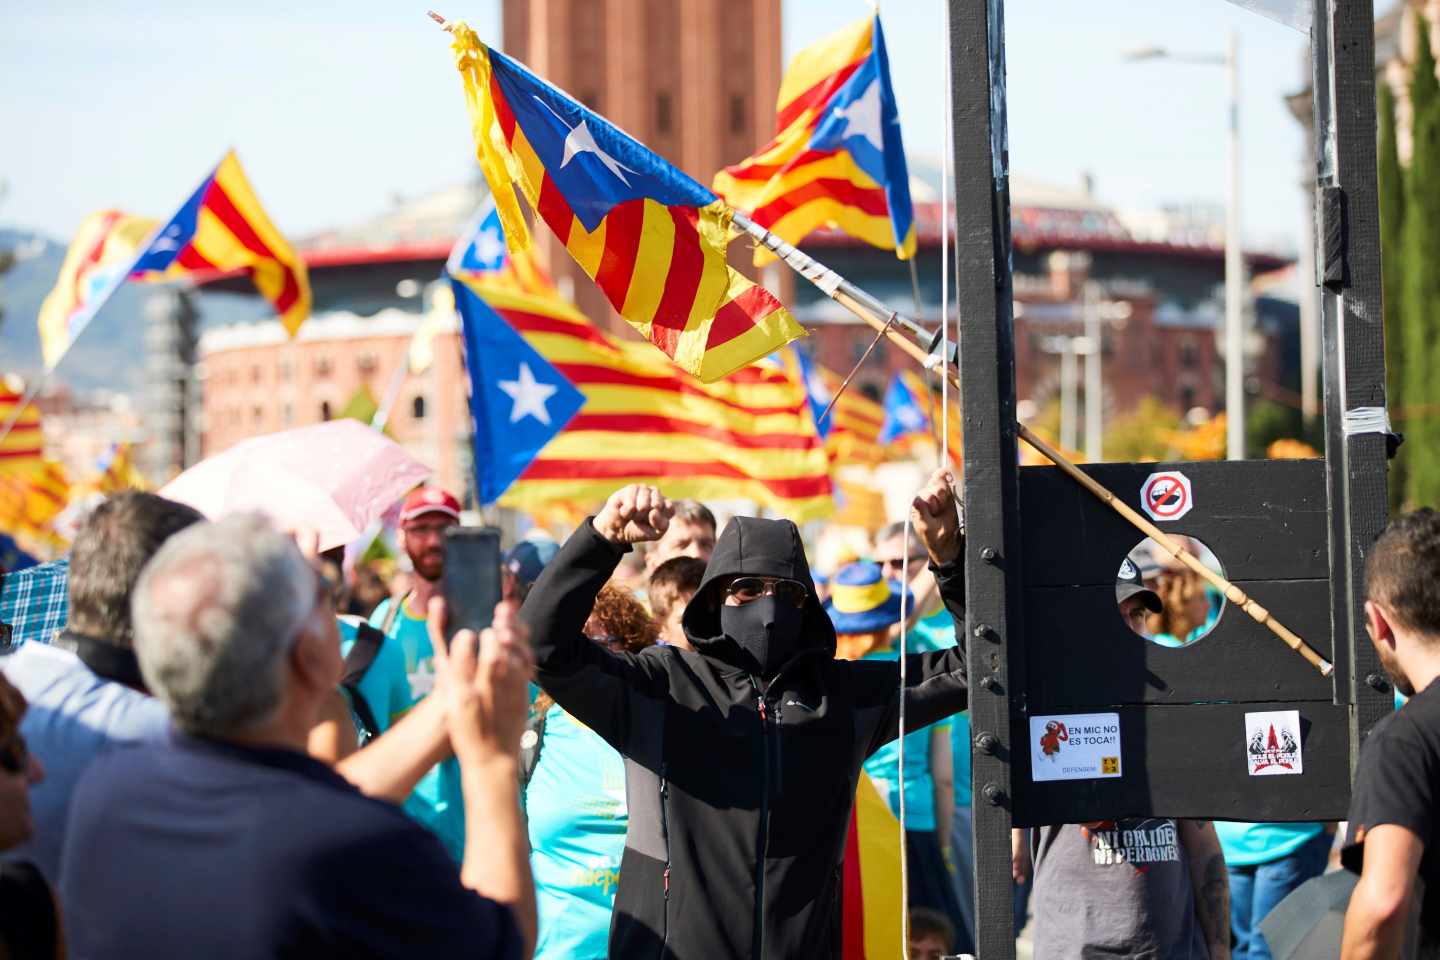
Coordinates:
x,y
1167,495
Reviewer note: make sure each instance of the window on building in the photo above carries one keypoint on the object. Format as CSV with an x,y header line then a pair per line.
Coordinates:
x,y
417,408
738,121
324,409
255,373
323,366
1187,398
1189,355
257,414
287,415
367,362
591,99
662,113
283,370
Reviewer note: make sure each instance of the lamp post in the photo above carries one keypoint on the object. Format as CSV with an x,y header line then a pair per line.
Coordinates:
x,y
1234,265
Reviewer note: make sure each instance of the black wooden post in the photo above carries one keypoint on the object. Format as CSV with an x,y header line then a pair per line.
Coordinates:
x,y
987,374
1348,268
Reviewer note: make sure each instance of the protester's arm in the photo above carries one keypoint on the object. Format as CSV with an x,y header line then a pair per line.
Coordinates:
x,y
1210,882
1379,908
487,700
1020,865
942,772
333,738
936,684
393,763
592,683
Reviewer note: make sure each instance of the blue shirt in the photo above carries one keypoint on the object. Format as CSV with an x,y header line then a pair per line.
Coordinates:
x,y
73,717
1246,844
575,803
197,848
437,801
960,756
884,768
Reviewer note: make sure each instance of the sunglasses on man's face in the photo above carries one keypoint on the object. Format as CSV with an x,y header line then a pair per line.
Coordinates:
x,y
748,589
898,563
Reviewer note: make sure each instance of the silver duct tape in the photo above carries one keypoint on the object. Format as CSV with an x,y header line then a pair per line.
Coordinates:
x,y
1296,14
1362,420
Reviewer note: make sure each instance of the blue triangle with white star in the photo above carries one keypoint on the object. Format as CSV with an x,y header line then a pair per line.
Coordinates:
x,y
518,400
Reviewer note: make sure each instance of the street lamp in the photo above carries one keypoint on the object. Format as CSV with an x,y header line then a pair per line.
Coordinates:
x,y
1234,314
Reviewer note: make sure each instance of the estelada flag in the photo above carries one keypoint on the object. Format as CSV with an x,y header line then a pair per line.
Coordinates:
x,y
576,414
870,888
220,229
652,238
837,158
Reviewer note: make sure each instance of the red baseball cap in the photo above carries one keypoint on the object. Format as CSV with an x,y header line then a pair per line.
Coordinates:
x,y
423,500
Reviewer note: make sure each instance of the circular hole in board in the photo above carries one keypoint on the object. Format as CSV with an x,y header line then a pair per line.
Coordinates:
x,y
1164,601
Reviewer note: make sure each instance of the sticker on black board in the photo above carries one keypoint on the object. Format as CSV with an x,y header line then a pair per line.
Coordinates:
x,y
1272,743
1075,746
1167,495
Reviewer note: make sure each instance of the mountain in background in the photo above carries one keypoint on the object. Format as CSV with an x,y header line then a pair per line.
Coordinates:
x,y
111,353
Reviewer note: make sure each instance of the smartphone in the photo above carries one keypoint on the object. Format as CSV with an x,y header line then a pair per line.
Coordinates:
x,y
471,582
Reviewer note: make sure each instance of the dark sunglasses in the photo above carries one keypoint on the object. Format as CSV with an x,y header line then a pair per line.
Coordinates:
x,y
748,589
898,563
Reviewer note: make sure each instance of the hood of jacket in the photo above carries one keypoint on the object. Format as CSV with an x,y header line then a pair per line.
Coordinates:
x,y
752,546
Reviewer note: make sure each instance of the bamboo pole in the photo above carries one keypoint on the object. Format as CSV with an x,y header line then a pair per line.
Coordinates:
x,y
1232,593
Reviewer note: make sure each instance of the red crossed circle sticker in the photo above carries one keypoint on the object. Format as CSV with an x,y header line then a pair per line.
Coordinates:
x,y
1167,495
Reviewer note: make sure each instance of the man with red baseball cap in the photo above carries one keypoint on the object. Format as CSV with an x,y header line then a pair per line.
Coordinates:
x,y
424,517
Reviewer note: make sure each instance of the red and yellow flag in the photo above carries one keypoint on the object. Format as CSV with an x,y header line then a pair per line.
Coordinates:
x,y
650,237
22,449
746,436
837,159
871,924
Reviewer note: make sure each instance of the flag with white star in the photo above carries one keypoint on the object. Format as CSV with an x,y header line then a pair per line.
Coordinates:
x,y
518,400
652,238
837,159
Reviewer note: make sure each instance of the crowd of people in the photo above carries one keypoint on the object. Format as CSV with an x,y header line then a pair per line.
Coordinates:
x,y
236,746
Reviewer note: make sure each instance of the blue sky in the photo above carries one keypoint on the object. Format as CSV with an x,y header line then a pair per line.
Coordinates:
x,y
338,107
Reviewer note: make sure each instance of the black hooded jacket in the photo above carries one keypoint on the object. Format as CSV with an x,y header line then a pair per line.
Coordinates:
x,y
739,792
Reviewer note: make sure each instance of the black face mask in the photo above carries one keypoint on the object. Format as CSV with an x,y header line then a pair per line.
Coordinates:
x,y
767,629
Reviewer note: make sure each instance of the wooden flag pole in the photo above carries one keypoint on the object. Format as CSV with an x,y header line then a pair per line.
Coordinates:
x,y
1171,546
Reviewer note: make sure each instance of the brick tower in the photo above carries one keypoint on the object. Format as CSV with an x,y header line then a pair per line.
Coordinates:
x,y
695,80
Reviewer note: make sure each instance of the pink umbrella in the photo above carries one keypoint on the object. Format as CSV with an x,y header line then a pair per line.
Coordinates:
x,y
332,478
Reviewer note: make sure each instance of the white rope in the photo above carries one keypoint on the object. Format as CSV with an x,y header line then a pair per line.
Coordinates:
x,y
945,178
900,758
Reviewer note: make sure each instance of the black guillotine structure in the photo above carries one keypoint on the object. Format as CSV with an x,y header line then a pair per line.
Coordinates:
x,y
1046,645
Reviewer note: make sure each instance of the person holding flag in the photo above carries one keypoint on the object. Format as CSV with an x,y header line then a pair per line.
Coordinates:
x,y
743,754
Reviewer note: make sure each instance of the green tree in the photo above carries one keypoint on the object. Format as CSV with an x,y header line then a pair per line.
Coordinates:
x,y
1142,433
1421,285
1392,222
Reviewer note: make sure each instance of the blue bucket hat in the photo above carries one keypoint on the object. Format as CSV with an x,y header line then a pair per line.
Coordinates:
x,y
862,600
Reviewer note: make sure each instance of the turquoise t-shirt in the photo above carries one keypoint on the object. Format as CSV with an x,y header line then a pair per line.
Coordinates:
x,y
385,686
960,756
1246,844
934,632
437,801
884,768
575,803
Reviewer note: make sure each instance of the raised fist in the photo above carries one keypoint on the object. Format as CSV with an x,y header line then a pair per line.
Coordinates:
x,y
935,515
634,514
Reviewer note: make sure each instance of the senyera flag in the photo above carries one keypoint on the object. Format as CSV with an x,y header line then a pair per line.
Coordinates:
x,y
652,238
837,159
220,229
570,414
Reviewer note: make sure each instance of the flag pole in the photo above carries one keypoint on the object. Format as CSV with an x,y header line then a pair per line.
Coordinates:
x,y
1167,543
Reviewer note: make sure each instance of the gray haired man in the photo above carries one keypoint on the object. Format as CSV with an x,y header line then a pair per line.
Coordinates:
x,y
228,840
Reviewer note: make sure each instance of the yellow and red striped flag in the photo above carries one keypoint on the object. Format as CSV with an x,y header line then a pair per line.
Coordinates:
x,y
746,436
855,424
871,924
650,237
837,158
22,449
118,471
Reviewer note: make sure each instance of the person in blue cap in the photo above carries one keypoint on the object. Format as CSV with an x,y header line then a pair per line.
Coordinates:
x,y
523,564
864,606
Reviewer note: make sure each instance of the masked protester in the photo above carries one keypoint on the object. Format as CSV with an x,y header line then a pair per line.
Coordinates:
x,y
741,755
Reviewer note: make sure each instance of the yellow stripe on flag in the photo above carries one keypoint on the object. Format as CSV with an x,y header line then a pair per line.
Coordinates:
x,y
822,58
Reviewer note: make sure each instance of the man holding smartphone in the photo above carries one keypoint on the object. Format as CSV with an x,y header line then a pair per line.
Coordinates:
x,y
742,755
424,517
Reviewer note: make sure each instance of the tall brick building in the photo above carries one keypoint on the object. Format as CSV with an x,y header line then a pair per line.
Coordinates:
x,y
695,80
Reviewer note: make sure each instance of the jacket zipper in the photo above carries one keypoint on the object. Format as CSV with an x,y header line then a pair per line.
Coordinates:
x,y
758,939
665,838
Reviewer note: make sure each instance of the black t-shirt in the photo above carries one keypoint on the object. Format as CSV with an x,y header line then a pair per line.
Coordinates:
x,y
1398,782
28,924
195,848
